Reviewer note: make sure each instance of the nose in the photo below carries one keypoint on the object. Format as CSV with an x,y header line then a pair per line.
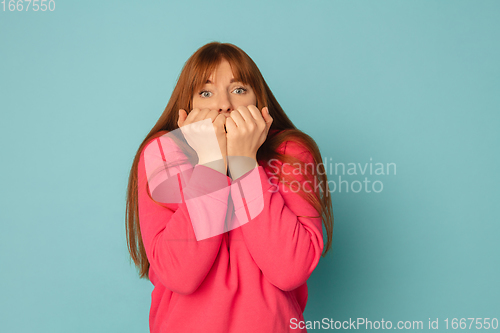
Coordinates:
x,y
224,103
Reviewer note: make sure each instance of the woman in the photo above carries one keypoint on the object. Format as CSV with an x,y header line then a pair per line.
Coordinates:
x,y
246,271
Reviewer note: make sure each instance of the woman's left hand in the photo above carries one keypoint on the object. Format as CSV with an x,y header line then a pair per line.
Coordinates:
x,y
247,129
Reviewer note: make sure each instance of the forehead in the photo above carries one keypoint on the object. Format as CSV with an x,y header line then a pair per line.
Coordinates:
x,y
222,70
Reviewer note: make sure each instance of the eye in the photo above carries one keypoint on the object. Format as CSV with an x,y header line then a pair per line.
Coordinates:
x,y
205,93
240,90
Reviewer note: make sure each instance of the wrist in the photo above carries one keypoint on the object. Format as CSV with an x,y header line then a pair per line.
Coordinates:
x,y
218,165
210,156
247,155
240,165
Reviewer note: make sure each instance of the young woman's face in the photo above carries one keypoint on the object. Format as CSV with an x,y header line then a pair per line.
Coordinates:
x,y
222,94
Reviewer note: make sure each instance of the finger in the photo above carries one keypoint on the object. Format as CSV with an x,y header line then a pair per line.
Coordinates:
x,y
182,117
230,125
267,117
246,114
219,121
237,118
257,115
191,116
213,114
201,115
265,114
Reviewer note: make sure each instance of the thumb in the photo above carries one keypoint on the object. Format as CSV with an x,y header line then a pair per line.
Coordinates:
x,y
182,117
267,117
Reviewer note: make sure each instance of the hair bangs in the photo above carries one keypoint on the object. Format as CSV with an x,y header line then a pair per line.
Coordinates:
x,y
209,59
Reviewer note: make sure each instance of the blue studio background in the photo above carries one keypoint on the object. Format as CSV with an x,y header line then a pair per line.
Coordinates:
x,y
412,83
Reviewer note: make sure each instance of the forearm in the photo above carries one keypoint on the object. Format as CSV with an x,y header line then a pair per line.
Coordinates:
x,y
176,230
282,233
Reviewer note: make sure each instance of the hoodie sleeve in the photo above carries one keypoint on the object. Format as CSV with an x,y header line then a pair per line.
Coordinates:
x,y
188,200
283,232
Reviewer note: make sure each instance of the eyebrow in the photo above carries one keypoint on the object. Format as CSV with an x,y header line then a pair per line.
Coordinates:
x,y
232,80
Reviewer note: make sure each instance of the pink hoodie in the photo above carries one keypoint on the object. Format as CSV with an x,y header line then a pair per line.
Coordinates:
x,y
249,279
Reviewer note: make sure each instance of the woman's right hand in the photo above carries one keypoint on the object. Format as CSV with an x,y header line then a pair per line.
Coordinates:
x,y
198,136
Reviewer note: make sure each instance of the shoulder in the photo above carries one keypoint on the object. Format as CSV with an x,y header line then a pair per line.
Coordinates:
x,y
291,145
297,149
299,154
160,142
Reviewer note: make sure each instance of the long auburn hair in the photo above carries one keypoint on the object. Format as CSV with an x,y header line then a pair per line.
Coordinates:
x,y
195,72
